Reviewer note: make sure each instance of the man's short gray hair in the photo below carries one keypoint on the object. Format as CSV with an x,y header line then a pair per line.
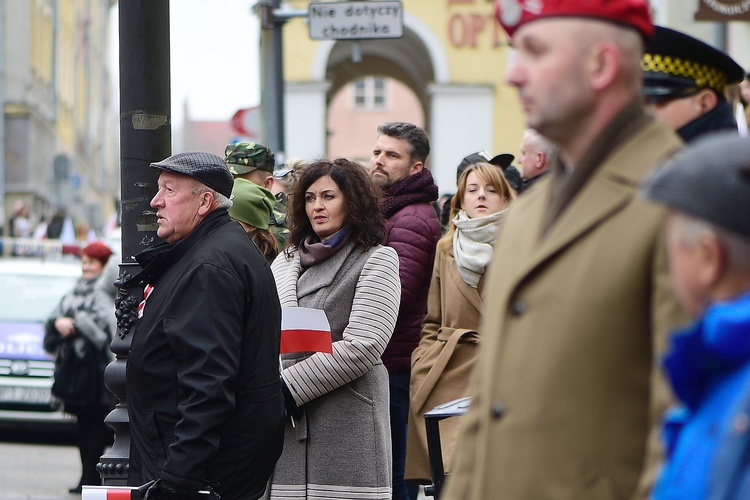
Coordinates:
x,y
691,229
543,145
220,200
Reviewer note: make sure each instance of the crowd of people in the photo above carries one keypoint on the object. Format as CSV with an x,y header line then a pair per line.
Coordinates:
x,y
606,279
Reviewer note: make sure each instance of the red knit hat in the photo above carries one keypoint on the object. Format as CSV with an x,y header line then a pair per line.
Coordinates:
x,y
99,251
636,14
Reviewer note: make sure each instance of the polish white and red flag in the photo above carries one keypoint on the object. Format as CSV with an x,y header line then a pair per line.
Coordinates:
x,y
107,492
305,329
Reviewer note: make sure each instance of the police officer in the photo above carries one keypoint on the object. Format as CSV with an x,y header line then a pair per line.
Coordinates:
x,y
684,83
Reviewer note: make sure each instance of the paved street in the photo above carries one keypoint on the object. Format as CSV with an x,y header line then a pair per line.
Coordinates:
x,y
40,467
37,467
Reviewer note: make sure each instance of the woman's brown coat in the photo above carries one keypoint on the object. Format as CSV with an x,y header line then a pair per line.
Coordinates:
x,y
443,361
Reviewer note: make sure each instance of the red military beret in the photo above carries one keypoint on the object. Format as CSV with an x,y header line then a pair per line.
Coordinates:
x,y
636,14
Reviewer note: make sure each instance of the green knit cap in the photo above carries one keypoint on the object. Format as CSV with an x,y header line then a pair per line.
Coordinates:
x,y
252,204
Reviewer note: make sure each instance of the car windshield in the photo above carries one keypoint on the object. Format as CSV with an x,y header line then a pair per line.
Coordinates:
x,y
31,298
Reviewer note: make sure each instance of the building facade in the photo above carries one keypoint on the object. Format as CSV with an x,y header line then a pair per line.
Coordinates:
x,y
451,60
60,128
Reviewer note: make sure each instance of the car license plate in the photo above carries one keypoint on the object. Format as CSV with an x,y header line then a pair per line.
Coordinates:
x,y
27,395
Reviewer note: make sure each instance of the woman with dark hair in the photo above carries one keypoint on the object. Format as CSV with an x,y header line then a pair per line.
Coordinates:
x,y
443,361
337,442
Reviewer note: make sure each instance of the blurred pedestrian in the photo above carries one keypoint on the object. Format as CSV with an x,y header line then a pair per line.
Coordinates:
x,y
685,81
734,99
20,224
567,394
537,157
204,398
412,229
55,225
745,97
40,231
79,331
251,207
337,442
707,189
285,178
443,361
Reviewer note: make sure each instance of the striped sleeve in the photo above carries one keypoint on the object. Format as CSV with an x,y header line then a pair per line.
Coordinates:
x,y
371,322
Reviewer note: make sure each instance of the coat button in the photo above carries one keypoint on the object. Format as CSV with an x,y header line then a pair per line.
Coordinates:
x,y
518,307
497,410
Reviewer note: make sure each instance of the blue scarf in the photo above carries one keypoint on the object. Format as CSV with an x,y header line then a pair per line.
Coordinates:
x,y
706,350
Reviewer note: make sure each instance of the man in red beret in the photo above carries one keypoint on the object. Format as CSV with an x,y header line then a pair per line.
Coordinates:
x,y
567,391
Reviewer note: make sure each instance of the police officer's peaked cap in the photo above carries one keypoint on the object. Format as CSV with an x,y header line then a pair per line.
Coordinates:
x,y
677,64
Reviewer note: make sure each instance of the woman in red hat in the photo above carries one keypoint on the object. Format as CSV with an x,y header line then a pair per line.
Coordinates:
x,y
78,334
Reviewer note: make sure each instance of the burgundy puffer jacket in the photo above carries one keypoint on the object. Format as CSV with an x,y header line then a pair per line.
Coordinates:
x,y
413,231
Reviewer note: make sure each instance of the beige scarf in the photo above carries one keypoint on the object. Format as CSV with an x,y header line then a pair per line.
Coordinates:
x,y
472,244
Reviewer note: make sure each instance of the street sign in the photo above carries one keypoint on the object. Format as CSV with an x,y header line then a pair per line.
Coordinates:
x,y
357,20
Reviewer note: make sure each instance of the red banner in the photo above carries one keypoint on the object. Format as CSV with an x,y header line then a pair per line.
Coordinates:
x,y
306,340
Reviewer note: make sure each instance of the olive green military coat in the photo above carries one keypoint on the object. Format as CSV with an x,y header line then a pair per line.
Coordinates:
x,y
567,387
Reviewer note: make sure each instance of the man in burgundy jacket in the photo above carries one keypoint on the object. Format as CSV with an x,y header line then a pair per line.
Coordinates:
x,y
412,229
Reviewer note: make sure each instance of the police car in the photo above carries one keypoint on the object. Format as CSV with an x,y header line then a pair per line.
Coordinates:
x,y
30,288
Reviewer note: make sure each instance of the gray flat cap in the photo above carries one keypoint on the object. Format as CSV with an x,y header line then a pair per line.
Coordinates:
x,y
709,180
204,167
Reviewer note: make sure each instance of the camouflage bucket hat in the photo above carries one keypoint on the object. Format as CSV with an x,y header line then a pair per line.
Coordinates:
x,y
244,157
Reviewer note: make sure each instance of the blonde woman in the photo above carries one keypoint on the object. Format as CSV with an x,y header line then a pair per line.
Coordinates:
x,y
443,361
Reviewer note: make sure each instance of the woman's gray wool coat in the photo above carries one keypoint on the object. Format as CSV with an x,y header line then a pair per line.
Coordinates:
x,y
341,446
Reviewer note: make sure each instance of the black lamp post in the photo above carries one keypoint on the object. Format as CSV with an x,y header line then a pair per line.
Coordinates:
x,y
145,137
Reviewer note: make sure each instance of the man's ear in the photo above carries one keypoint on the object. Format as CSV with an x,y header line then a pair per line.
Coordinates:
x,y
269,183
604,65
713,260
207,199
540,159
707,100
416,167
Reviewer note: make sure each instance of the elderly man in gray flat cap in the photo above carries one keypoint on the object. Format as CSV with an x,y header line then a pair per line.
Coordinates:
x,y
204,398
707,190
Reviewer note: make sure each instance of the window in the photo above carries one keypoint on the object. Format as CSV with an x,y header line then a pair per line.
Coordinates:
x,y
369,93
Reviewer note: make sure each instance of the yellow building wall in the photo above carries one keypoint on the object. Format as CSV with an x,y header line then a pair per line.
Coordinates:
x,y
66,73
475,46
41,40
